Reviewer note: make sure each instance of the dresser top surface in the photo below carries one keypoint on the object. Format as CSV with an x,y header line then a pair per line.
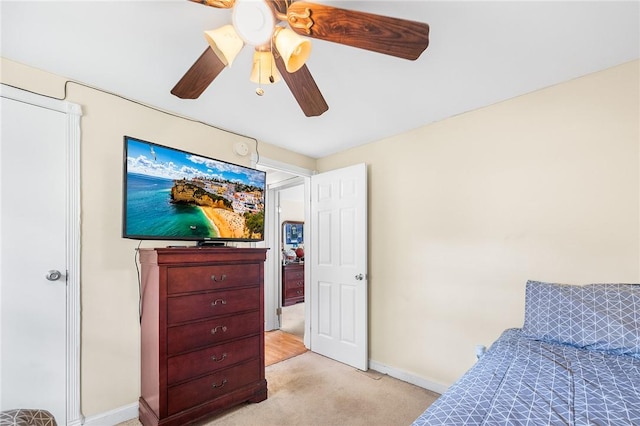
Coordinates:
x,y
183,255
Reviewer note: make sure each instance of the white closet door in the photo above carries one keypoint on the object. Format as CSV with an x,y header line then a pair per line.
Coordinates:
x,y
33,159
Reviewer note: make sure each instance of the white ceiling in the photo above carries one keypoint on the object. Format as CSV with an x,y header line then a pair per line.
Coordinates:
x,y
480,53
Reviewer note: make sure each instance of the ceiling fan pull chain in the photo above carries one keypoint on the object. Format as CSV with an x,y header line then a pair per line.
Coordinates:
x,y
259,90
271,78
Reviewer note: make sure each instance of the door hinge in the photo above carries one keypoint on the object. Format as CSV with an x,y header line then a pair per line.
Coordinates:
x,y
279,311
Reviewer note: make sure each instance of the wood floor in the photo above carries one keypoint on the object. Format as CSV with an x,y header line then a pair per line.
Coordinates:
x,y
279,346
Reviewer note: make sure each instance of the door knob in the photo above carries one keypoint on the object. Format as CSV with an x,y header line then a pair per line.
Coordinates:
x,y
359,277
53,275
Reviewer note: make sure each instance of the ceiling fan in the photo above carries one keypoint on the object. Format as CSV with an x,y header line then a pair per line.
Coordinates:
x,y
277,30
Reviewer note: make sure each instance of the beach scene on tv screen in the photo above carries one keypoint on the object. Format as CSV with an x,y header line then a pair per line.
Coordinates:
x,y
173,194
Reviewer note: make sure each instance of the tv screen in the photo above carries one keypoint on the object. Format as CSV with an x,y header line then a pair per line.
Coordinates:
x,y
170,194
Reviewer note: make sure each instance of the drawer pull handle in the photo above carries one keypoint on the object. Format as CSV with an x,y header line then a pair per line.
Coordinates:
x,y
299,291
219,327
224,382
222,278
221,301
216,359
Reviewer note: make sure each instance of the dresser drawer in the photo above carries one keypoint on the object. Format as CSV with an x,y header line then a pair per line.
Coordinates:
x,y
209,360
203,305
199,334
293,283
294,292
207,388
295,275
198,278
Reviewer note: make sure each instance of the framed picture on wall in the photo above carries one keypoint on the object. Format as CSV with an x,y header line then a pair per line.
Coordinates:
x,y
293,233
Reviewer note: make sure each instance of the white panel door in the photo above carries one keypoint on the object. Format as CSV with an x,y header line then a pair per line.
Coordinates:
x,y
339,265
33,230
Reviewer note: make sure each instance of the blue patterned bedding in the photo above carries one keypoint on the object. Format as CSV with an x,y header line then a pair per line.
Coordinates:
x,y
542,375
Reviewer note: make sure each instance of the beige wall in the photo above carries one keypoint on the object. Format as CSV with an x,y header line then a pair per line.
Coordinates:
x,y
462,212
292,204
110,352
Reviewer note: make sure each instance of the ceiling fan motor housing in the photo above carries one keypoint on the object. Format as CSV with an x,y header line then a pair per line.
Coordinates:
x,y
254,21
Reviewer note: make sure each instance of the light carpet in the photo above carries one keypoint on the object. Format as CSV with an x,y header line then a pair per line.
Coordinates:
x,y
312,390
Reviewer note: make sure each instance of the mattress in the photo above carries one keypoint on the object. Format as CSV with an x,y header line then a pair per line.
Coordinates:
x,y
522,380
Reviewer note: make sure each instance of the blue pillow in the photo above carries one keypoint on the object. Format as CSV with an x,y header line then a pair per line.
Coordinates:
x,y
602,317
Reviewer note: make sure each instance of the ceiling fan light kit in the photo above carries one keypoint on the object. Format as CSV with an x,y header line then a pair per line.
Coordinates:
x,y
255,22
225,43
294,49
264,68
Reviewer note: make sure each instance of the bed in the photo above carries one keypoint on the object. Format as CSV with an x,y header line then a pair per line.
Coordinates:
x,y
575,361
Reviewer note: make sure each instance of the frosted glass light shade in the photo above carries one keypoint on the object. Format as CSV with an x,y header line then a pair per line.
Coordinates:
x,y
294,49
225,42
264,66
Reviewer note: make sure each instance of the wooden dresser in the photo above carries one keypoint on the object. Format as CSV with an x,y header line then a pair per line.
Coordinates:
x,y
202,331
292,283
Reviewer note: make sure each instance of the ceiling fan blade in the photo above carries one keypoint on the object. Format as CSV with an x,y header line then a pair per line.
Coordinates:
x,y
200,75
303,87
222,4
383,34
279,8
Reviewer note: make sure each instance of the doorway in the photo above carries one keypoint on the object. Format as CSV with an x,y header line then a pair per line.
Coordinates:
x,y
335,270
285,323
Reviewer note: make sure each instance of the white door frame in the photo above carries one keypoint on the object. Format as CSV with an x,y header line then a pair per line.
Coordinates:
x,y
272,240
73,113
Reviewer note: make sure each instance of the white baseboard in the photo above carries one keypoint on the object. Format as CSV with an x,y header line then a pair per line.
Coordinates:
x,y
408,377
113,417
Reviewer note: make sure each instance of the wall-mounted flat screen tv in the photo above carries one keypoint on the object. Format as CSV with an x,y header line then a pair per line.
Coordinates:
x,y
170,194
